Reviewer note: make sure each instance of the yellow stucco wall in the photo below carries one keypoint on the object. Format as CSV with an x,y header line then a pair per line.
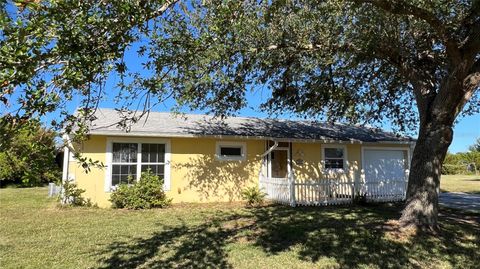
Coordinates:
x,y
311,167
93,181
197,176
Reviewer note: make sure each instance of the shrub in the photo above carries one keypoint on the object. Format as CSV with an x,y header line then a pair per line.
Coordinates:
x,y
253,196
72,195
146,193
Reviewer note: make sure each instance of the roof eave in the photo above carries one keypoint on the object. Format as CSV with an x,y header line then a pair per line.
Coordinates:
x,y
300,140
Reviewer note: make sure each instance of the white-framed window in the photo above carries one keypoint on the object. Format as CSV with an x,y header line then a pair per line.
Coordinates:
x,y
124,163
231,151
127,158
334,157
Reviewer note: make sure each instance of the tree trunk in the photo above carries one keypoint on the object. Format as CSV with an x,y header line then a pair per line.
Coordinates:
x,y
421,209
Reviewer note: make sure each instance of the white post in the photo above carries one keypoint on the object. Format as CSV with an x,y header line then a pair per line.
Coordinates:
x,y
363,184
407,176
291,181
66,161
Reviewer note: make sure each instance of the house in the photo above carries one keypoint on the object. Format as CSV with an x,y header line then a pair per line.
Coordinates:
x,y
203,159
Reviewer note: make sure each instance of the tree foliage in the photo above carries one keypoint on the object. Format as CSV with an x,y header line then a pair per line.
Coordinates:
x,y
27,154
475,146
415,63
463,162
338,60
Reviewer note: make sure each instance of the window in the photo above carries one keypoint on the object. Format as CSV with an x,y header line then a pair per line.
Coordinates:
x,y
230,151
334,157
129,160
227,151
153,159
124,163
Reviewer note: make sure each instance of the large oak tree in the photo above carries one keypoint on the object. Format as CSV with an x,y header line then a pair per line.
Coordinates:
x,y
415,63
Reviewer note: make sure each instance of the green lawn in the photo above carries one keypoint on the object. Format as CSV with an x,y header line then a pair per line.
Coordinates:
x,y
460,183
37,234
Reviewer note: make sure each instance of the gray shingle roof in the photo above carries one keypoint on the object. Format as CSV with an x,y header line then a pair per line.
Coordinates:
x,y
168,124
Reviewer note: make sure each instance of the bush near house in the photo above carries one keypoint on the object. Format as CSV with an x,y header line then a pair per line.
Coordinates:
x,y
144,194
72,195
253,196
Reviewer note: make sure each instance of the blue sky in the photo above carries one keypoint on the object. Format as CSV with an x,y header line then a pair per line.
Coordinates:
x,y
466,131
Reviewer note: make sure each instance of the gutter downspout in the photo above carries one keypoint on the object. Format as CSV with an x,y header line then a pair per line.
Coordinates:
x,y
66,157
275,145
260,174
66,166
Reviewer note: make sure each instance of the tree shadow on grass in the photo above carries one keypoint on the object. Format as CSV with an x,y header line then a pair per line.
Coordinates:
x,y
347,235
181,246
351,236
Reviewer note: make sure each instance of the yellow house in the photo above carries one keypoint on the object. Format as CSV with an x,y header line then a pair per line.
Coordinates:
x,y
203,159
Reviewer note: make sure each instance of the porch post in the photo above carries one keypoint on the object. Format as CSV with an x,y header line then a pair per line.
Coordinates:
x,y
363,186
291,178
291,181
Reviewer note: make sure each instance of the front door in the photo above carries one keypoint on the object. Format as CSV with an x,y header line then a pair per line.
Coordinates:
x,y
279,163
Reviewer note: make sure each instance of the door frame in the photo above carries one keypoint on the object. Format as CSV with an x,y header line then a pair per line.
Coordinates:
x,y
269,161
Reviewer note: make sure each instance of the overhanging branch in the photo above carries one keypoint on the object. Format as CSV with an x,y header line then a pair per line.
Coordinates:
x,y
471,45
402,8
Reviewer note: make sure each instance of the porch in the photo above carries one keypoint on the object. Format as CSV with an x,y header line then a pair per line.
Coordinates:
x,y
332,191
380,174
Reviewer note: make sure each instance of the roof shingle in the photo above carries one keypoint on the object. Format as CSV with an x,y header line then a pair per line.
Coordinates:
x,y
168,124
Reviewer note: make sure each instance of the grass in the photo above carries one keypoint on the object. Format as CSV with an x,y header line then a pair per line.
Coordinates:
x,y
35,233
460,183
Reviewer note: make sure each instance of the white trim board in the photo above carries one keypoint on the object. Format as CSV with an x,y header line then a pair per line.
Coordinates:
x,y
242,145
297,140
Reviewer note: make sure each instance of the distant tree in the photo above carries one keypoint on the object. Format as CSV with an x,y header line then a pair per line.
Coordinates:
x,y
415,63
476,146
27,154
471,159
461,163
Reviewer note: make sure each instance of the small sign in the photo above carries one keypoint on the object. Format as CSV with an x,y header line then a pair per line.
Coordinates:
x,y
299,162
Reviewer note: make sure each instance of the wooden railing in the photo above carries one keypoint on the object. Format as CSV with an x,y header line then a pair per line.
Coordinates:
x,y
332,191
277,189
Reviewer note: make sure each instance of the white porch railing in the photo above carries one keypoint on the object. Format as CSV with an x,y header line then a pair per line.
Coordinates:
x,y
277,189
332,191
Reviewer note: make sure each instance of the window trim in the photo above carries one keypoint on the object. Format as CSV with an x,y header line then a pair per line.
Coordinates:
x,y
220,144
139,142
345,157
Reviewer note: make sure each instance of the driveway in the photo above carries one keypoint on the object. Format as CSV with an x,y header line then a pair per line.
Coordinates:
x,y
460,200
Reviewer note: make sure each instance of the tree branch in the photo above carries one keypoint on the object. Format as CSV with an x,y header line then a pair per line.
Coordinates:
x,y
163,8
471,45
400,7
472,81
